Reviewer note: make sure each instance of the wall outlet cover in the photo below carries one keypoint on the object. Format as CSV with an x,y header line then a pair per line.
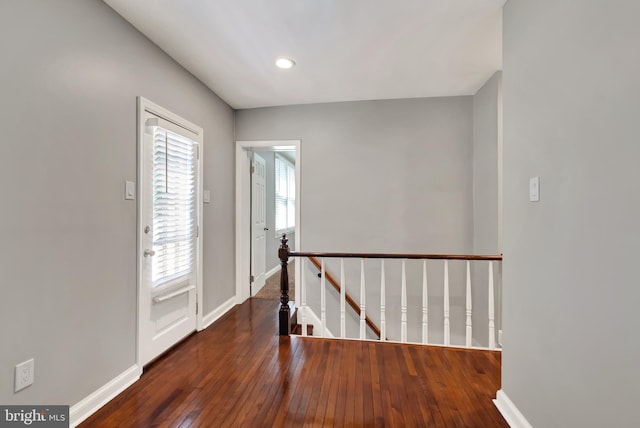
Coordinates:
x,y
24,375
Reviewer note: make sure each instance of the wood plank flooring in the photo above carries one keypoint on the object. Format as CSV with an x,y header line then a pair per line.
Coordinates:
x,y
238,373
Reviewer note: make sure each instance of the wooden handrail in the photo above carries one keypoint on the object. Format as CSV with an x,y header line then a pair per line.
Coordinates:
x,y
332,280
397,256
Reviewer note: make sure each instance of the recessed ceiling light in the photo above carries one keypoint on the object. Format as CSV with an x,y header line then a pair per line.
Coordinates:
x,y
285,63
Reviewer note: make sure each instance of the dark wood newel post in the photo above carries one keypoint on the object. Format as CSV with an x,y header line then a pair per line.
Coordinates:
x,y
285,312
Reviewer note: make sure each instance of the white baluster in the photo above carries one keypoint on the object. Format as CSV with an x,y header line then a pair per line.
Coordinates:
x,y
303,297
343,316
383,317
469,322
363,317
492,324
403,305
447,328
323,302
425,304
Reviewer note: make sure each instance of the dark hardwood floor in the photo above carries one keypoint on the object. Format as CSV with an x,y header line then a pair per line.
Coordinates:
x,y
238,373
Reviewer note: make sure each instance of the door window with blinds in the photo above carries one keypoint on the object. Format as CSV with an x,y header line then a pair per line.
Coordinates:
x,y
285,195
174,206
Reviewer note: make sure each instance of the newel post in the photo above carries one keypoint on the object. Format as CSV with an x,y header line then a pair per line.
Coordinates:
x,y
285,313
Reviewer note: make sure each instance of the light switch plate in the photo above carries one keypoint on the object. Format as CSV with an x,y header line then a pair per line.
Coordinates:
x,y
129,190
534,189
207,196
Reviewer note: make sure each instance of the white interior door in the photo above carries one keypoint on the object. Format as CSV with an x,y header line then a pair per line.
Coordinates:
x,y
258,223
169,238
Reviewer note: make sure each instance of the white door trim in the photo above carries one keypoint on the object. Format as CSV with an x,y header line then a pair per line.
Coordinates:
x,y
146,105
243,212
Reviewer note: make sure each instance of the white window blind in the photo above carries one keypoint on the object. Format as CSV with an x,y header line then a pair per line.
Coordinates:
x,y
285,195
174,198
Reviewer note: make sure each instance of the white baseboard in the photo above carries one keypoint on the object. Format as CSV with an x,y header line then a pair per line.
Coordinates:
x,y
212,316
89,405
510,412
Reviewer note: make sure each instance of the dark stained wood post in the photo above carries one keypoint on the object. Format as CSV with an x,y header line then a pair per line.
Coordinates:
x,y
285,312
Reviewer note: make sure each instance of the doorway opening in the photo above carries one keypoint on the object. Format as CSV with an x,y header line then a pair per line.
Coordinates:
x,y
267,205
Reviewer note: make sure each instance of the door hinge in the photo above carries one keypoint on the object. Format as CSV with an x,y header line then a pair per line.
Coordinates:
x,y
197,151
196,304
253,169
197,231
251,278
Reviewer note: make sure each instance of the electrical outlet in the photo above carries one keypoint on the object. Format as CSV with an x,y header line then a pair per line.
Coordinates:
x,y
24,375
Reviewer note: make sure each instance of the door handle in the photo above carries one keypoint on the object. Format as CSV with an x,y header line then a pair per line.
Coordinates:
x,y
266,228
149,253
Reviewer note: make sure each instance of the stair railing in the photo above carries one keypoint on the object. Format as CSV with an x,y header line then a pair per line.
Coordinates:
x,y
285,318
339,287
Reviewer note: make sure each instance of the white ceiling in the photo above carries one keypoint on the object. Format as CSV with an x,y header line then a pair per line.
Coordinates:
x,y
344,49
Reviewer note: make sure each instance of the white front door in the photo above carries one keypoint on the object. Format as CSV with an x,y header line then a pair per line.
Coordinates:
x,y
258,223
169,238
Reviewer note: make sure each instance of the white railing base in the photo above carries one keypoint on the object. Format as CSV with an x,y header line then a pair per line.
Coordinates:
x,y
510,412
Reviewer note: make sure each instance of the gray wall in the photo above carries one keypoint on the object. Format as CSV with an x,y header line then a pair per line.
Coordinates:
x,y
363,163
486,104
486,107
71,71
571,109
386,176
